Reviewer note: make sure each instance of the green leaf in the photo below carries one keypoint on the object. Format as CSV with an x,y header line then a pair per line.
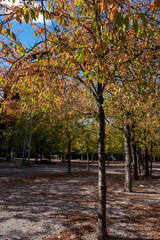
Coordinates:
x,y
119,21
142,16
79,58
33,14
138,32
61,20
8,31
150,32
135,25
26,16
14,36
126,22
85,73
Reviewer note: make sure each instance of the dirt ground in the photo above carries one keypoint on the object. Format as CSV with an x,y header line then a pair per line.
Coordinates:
x,y
42,202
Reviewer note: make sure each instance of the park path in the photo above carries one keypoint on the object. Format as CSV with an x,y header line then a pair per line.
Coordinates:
x,y
39,203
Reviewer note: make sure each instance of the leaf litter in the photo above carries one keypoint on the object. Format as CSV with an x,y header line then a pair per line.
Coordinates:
x,y
57,206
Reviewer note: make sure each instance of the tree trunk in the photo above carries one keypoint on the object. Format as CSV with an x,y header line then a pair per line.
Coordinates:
x,y
1,143
102,232
29,148
123,156
36,157
146,163
9,154
151,160
88,164
69,155
92,157
139,160
143,160
24,150
134,157
49,157
127,152
30,139
154,155
63,159
9,150
108,159
41,154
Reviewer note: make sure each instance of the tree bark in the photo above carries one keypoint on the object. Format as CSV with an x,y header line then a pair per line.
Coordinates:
x,y
41,155
143,160
127,152
36,157
30,139
29,148
134,157
146,163
108,159
88,163
1,143
139,160
9,154
151,160
63,158
69,155
49,157
102,232
92,157
24,150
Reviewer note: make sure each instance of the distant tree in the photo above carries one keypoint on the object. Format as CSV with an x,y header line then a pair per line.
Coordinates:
x,y
92,44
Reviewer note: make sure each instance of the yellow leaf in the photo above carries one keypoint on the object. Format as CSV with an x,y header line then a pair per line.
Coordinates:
x,y
89,67
49,4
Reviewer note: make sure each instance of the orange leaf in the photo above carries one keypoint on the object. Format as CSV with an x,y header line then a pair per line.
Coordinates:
x,y
105,7
113,14
110,2
102,5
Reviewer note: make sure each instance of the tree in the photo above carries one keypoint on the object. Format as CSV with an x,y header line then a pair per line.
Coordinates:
x,y
86,141
133,102
92,44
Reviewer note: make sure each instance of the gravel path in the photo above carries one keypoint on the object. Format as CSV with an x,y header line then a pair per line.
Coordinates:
x,y
42,202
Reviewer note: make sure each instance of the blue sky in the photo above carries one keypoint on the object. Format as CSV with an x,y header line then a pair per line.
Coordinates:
x,y
25,35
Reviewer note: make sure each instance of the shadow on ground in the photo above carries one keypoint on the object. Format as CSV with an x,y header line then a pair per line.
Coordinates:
x,y
57,206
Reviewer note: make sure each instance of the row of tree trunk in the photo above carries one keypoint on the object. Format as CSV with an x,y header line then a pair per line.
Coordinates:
x,y
137,160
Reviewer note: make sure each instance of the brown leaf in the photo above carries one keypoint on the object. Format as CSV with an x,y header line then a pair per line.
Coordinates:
x,y
157,3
